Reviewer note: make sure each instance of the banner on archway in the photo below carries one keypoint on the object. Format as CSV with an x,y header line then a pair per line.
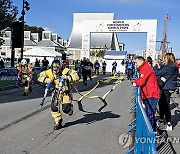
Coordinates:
x,y
120,26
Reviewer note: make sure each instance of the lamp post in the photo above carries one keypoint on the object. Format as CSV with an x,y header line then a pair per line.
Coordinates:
x,y
25,6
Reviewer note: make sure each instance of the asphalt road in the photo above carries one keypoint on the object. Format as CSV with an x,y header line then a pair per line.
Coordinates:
x,y
93,128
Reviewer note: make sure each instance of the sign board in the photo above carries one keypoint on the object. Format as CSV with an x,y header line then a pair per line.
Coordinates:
x,y
119,26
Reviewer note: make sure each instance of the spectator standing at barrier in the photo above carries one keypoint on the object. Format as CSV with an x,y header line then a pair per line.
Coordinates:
x,y
167,82
178,82
104,67
89,68
84,71
96,67
114,65
37,63
45,64
150,92
25,74
150,61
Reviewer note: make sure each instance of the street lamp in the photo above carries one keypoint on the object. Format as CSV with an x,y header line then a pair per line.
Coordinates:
x,y
25,7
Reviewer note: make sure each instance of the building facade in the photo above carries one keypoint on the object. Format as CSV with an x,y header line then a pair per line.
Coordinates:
x,y
49,40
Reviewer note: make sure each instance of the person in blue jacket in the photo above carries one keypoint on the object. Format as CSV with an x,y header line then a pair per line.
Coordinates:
x,y
129,69
104,67
114,65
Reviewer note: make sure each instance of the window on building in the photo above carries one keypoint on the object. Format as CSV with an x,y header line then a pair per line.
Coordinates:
x,y
7,34
46,36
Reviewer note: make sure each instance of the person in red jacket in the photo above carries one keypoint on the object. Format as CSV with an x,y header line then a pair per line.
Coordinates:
x,y
150,92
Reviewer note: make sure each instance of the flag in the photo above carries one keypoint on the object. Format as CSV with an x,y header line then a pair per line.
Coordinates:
x,y
168,17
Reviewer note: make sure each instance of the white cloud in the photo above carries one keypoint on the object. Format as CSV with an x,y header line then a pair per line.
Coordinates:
x,y
49,29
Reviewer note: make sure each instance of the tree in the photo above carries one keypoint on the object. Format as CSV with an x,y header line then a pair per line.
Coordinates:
x,y
8,13
34,29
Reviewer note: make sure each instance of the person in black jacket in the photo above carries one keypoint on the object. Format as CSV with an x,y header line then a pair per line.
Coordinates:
x,y
168,74
89,68
84,70
96,66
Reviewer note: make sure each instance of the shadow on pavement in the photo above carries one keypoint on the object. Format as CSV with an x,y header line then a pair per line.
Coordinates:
x,y
80,106
176,115
92,117
164,144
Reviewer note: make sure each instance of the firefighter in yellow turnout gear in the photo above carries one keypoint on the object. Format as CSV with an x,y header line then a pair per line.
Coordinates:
x,y
52,76
25,74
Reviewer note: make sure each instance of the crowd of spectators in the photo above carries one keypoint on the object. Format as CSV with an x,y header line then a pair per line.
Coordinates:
x,y
157,81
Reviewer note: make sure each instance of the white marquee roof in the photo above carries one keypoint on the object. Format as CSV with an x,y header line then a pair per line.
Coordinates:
x,y
41,52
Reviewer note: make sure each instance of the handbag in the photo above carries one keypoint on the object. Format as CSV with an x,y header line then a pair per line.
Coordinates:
x,y
162,81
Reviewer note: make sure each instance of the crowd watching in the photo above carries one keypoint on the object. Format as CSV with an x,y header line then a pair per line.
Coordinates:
x,y
157,81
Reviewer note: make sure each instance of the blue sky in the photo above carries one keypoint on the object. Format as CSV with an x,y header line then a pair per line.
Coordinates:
x,y
57,15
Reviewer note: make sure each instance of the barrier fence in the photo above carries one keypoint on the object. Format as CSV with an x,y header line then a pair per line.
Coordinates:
x,y
144,140
9,78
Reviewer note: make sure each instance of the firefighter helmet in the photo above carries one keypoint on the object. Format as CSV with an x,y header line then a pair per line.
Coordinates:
x,y
23,61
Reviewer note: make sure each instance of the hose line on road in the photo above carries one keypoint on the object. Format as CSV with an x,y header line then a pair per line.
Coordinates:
x,y
98,83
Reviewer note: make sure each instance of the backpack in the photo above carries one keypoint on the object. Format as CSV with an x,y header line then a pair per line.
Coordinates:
x,y
74,75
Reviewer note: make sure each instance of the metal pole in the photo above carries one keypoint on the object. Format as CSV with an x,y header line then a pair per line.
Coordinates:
x,y
22,45
12,57
164,40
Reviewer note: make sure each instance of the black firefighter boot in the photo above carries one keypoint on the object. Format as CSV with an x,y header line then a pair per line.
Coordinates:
x,y
25,94
59,125
30,88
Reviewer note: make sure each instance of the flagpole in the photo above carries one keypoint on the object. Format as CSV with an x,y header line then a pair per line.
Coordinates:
x,y
164,41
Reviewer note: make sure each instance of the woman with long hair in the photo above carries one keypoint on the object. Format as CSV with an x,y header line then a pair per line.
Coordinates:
x,y
168,74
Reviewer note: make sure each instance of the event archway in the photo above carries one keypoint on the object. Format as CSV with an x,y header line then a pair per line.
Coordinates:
x,y
120,26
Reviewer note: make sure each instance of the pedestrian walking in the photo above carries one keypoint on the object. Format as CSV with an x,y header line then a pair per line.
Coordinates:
x,y
84,71
114,65
104,67
96,66
129,69
89,68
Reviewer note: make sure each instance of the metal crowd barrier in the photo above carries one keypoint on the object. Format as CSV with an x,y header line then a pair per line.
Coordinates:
x,y
8,78
144,140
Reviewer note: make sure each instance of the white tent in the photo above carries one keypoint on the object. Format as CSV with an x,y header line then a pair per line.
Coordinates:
x,y
119,56
40,53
